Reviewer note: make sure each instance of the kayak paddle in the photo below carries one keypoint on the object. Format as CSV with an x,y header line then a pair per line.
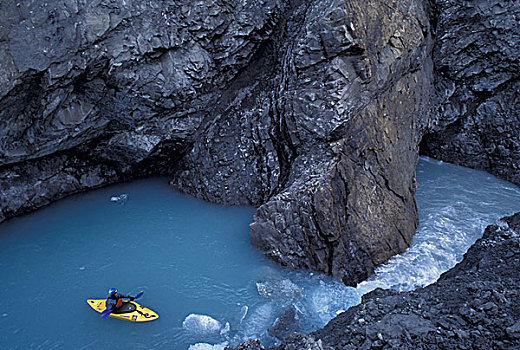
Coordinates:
x,y
105,313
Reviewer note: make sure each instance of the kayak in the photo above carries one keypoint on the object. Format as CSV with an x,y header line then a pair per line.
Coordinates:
x,y
130,311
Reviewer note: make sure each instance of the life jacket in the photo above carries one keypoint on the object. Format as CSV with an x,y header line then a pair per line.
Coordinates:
x,y
119,300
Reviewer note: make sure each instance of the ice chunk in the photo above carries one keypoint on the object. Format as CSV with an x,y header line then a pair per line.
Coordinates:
x,y
225,330
206,346
243,313
120,199
276,289
259,320
201,324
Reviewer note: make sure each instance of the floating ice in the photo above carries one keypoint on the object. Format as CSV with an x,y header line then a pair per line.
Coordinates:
x,y
284,288
225,330
201,324
259,320
121,199
206,346
243,313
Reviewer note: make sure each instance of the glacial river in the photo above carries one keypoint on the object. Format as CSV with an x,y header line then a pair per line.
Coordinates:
x,y
198,271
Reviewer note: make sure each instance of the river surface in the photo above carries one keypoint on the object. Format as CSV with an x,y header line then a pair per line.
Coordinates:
x,y
198,271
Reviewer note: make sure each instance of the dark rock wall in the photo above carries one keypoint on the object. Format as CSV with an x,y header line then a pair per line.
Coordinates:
x,y
353,205
121,86
324,136
146,69
311,110
477,65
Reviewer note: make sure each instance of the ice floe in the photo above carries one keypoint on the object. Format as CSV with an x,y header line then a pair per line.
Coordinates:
x,y
201,324
120,199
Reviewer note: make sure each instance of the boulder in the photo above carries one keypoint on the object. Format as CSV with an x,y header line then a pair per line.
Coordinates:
x,y
285,324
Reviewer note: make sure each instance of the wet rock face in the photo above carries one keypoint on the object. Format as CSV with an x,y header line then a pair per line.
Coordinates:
x,y
347,204
477,61
324,136
285,324
476,304
56,177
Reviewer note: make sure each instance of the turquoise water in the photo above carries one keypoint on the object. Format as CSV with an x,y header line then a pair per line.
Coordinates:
x,y
196,267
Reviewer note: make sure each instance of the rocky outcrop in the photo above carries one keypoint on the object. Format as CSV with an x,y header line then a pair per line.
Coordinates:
x,y
142,71
284,325
312,110
347,203
476,304
477,65
108,90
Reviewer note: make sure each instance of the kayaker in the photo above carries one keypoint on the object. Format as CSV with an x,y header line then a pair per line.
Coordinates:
x,y
115,299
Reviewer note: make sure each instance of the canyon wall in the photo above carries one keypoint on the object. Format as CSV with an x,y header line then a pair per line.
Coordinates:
x,y
102,91
477,71
325,139
313,111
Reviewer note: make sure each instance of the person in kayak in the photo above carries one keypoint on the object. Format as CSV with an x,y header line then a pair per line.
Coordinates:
x,y
115,299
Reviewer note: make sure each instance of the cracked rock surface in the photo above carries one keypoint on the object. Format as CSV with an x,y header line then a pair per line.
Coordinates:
x,y
477,65
325,140
118,85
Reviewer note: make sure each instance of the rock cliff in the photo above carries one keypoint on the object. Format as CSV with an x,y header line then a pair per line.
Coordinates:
x,y
477,71
313,111
101,91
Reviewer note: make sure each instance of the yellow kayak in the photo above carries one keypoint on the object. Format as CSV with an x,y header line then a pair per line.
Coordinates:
x,y
130,311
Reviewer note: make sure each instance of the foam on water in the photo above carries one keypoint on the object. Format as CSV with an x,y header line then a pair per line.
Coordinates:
x,y
197,267
455,205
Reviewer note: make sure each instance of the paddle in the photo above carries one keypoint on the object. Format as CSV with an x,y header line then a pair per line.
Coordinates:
x,y
107,312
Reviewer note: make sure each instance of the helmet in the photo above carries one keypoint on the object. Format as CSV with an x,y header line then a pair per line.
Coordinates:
x,y
112,291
